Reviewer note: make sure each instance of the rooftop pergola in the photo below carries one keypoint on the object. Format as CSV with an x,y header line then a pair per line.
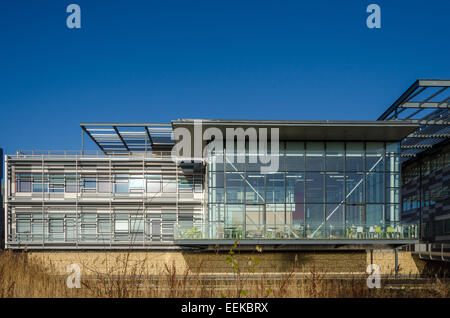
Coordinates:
x,y
426,102
120,138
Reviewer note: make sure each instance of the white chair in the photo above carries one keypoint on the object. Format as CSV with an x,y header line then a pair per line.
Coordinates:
x,y
359,231
372,231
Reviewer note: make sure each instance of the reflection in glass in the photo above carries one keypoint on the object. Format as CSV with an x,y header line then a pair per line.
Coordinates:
x,y
335,186
393,162
392,195
392,212
295,156
315,156
275,187
335,156
392,180
374,187
314,218
235,187
314,187
354,186
254,218
374,214
335,220
254,191
374,156
295,183
354,156
354,214
234,217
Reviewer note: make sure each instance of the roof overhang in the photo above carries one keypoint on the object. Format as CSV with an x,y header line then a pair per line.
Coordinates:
x,y
425,102
312,130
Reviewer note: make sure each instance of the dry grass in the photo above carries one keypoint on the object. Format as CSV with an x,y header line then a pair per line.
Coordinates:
x,y
21,276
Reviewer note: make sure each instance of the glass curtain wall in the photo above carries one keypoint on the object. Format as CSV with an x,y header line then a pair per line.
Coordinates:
x,y
321,190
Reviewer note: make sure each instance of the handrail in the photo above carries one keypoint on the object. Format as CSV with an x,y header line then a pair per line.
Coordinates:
x,y
391,231
69,154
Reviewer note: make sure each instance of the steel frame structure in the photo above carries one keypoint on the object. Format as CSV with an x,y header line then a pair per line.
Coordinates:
x,y
120,138
425,102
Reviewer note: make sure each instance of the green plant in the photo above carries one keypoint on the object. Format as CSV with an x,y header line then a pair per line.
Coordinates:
x,y
193,233
241,280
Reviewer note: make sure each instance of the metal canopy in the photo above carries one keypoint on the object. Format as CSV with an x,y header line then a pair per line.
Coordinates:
x,y
426,102
128,138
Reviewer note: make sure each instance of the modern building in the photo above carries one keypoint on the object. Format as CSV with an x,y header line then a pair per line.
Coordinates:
x,y
426,160
337,184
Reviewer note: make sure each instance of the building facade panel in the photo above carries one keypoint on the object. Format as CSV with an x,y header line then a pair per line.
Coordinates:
x,y
99,202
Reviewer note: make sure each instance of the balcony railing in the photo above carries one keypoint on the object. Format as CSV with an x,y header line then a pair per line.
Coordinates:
x,y
68,154
220,231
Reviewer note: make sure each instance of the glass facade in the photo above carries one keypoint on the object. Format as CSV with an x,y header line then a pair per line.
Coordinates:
x,y
321,190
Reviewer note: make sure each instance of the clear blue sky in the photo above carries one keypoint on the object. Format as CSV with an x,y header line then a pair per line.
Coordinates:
x,y
155,61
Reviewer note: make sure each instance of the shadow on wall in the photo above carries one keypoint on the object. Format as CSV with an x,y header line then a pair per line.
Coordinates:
x,y
432,268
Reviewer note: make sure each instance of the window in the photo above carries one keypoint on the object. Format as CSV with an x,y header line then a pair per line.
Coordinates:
x,y
216,212
137,225
39,187
274,214
104,226
185,183
335,187
335,214
375,156
295,187
56,226
235,187
122,184
393,147
314,219
235,215
335,156
315,187
392,195
88,229
354,214
275,188
392,212
40,183
169,184
57,183
89,183
23,182
136,184
254,191
72,183
153,183
121,226
354,156
198,183
315,156
23,226
374,187
104,185
216,195
354,187
374,214
295,156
